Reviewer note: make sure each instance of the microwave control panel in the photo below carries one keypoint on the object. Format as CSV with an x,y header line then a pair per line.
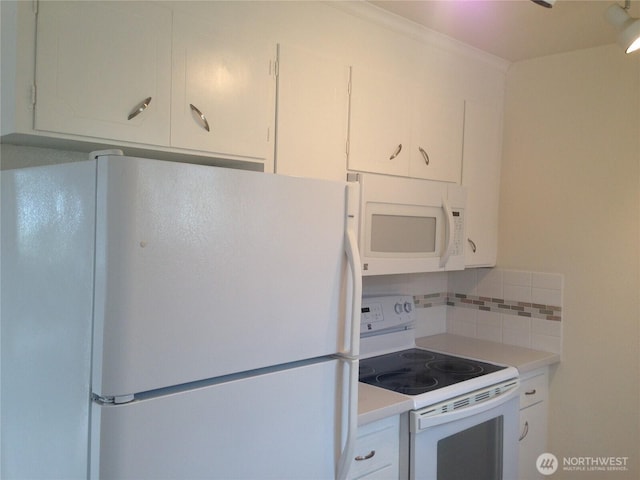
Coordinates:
x,y
458,233
387,312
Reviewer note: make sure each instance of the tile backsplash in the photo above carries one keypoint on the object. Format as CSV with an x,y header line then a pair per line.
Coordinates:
x,y
506,306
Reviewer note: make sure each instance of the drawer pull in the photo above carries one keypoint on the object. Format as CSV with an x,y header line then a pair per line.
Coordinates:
x,y
369,455
530,392
524,432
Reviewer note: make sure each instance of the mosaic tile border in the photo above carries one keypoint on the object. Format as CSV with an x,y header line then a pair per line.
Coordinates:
x,y
499,305
430,300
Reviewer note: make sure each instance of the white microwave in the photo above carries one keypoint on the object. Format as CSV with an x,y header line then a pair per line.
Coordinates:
x,y
410,225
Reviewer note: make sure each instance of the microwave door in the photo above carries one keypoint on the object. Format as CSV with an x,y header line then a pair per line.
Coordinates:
x,y
403,234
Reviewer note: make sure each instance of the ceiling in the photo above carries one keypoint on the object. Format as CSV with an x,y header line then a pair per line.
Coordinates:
x,y
515,29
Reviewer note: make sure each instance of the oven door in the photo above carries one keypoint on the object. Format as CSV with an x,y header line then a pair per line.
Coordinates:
x,y
479,441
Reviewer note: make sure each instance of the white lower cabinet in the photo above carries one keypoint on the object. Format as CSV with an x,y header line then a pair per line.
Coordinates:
x,y
533,422
376,456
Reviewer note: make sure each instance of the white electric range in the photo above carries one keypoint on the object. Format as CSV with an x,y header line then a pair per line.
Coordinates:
x,y
464,422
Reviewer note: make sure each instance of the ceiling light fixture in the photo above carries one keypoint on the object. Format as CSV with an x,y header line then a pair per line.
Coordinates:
x,y
629,27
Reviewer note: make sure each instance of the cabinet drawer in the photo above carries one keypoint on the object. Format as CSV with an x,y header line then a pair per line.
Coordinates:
x,y
533,390
377,450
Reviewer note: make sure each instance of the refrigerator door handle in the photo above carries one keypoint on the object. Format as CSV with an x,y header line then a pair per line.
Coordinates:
x,y
353,255
351,358
352,420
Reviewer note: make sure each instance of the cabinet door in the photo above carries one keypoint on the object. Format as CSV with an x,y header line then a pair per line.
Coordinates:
x,y
481,175
533,439
380,123
97,63
313,113
436,151
222,87
377,450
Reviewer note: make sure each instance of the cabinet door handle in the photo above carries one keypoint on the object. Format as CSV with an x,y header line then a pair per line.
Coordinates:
x,y
424,154
473,245
396,153
138,109
205,124
530,392
525,431
369,455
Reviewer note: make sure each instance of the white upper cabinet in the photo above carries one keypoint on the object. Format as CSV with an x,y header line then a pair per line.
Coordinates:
x,y
481,176
103,69
380,124
313,115
148,75
438,121
222,87
405,127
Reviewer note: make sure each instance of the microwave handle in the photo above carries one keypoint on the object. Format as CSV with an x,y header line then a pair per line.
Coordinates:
x,y
444,258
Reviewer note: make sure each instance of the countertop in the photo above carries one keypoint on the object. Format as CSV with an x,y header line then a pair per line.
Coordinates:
x,y
376,403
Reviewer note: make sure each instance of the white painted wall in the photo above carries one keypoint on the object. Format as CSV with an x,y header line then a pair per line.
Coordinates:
x,y
570,204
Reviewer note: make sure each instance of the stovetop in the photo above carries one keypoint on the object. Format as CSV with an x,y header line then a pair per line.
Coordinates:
x,y
422,377
416,371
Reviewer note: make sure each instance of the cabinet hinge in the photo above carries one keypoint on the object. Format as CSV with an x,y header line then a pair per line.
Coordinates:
x,y
33,94
353,177
108,400
275,68
34,6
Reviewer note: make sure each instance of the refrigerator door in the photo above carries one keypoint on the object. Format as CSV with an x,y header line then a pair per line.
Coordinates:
x,y
203,272
279,425
47,290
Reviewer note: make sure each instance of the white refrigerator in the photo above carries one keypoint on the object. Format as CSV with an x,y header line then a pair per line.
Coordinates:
x,y
168,320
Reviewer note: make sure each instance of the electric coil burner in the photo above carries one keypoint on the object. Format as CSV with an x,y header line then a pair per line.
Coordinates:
x,y
415,371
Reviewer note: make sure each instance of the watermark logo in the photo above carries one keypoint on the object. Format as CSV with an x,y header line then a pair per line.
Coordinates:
x,y
547,464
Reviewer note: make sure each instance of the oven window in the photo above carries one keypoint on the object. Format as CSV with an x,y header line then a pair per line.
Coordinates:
x,y
473,453
403,234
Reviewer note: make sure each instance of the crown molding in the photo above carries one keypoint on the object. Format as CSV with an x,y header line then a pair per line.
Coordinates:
x,y
373,14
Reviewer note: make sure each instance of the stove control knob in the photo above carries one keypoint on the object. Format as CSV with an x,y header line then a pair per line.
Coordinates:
x,y
398,308
408,307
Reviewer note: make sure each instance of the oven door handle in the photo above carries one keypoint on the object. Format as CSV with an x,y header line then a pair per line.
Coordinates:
x,y
421,420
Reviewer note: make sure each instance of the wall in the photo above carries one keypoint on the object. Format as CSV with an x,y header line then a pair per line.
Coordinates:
x,y
570,204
